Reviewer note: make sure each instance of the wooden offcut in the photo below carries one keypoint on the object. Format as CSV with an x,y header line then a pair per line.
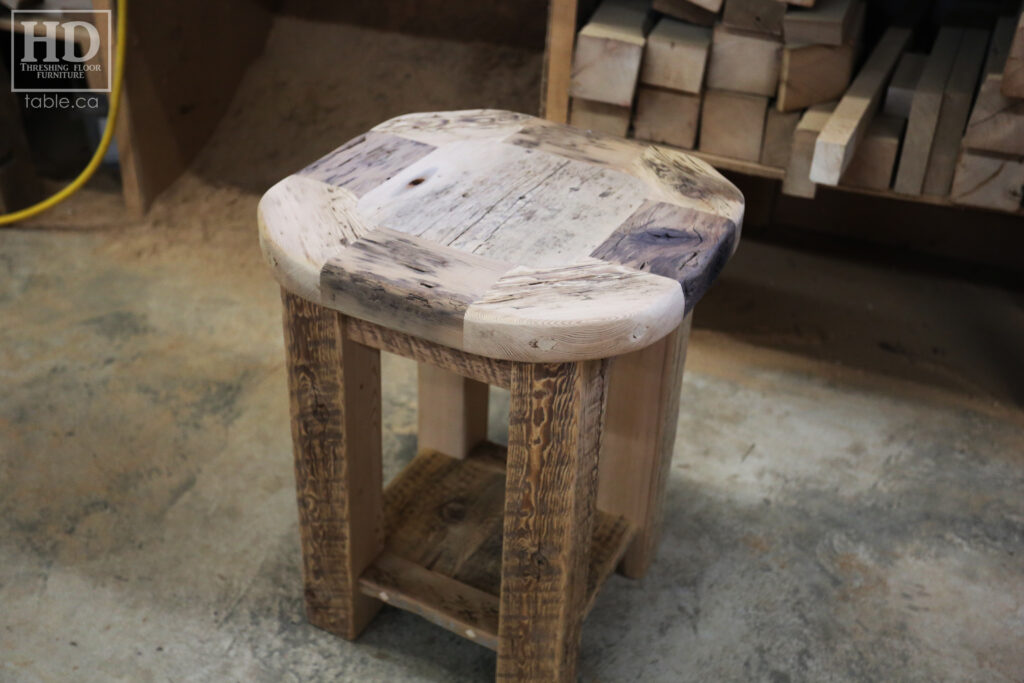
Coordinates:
x,y
837,142
684,10
600,117
924,112
779,128
812,74
900,94
676,56
956,105
873,164
1013,72
609,49
744,62
829,22
989,181
996,124
797,181
666,116
732,124
762,16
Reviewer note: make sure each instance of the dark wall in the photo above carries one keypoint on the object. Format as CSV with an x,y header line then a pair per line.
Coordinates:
x,y
521,23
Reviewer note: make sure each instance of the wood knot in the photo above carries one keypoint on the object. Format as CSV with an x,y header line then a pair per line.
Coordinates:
x,y
416,181
453,511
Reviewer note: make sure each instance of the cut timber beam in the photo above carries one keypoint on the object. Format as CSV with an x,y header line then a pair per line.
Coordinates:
x,y
830,23
779,128
733,124
676,56
763,16
837,142
925,110
997,122
797,182
684,10
744,62
599,117
875,160
990,182
608,52
812,74
1013,73
900,94
956,105
666,116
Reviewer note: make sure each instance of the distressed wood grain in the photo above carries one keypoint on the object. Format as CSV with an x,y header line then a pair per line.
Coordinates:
x,y
554,439
334,385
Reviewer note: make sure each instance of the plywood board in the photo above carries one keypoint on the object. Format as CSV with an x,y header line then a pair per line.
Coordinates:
x,y
733,124
676,56
666,116
744,62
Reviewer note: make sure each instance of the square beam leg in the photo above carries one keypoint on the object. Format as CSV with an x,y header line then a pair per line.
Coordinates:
x,y
550,494
452,411
640,433
334,385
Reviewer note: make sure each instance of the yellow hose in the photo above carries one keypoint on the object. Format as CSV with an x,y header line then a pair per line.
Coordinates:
x,y
108,132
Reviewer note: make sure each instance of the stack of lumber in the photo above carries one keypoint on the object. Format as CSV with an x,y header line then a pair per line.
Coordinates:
x,y
789,85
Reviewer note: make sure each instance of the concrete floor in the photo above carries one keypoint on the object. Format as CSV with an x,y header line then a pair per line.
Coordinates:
x,y
845,500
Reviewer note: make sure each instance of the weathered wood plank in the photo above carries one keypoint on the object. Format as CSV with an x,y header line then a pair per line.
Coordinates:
x,y
956,105
367,161
487,370
688,246
540,314
451,411
640,430
400,281
666,116
925,111
334,385
676,56
453,605
608,52
733,124
554,440
838,140
744,62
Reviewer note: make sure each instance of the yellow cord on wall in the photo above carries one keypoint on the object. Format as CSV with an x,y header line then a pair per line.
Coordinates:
x,y
108,132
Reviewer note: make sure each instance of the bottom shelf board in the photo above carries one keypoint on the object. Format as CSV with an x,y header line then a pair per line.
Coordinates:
x,y
442,561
